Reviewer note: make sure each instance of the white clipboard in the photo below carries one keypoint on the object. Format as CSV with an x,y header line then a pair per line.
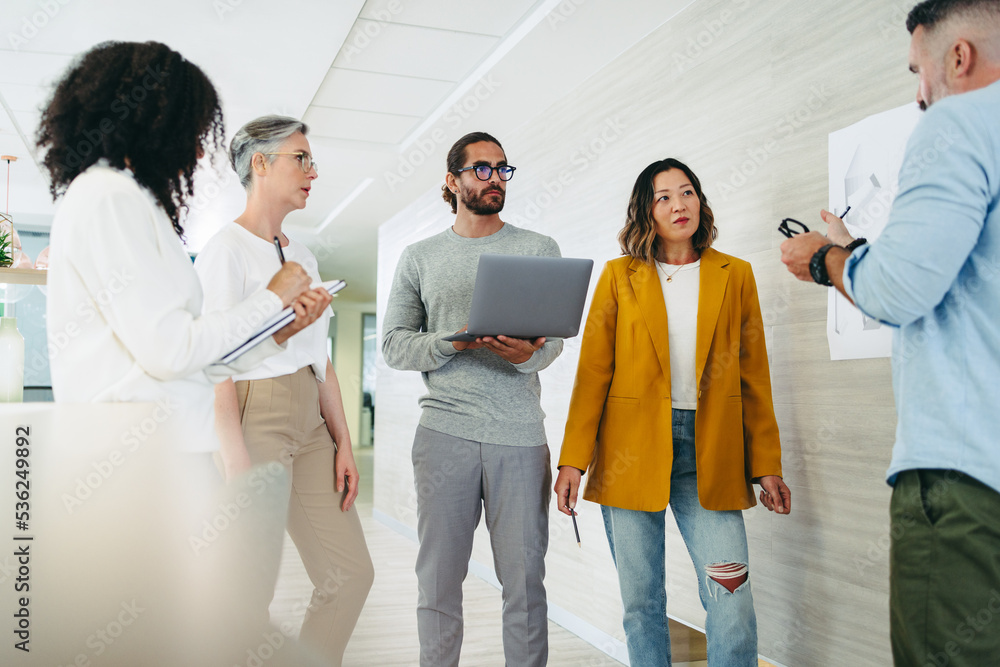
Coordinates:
x,y
274,324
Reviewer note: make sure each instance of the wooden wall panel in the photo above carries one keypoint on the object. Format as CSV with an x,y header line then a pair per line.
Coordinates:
x,y
749,106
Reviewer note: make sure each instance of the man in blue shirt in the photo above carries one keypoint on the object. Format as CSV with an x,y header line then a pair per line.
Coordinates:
x,y
935,275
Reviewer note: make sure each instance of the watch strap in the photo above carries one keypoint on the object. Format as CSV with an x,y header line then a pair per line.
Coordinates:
x,y
817,266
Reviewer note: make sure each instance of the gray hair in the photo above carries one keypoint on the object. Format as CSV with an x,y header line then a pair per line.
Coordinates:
x,y
261,135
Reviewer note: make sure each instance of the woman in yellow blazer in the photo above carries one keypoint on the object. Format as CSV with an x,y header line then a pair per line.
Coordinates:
x,y
672,405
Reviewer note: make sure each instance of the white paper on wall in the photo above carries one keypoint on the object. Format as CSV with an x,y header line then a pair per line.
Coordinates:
x,y
865,159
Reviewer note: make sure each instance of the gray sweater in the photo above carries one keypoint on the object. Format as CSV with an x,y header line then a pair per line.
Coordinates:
x,y
473,394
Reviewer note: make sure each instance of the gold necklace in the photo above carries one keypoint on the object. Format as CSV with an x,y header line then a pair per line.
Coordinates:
x,y
670,276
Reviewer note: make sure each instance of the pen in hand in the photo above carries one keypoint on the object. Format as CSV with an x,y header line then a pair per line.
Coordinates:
x,y
277,245
575,529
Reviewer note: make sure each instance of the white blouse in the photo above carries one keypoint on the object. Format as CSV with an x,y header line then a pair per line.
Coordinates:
x,y
680,296
236,263
125,319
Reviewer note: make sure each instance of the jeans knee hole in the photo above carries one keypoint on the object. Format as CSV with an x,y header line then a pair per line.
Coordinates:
x,y
731,576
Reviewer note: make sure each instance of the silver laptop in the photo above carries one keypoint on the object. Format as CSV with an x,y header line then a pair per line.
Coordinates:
x,y
527,297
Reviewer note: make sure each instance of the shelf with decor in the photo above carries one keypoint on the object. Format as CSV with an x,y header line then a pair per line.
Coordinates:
x,y
22,276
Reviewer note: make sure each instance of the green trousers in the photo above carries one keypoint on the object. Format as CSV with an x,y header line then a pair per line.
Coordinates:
x,y
944,592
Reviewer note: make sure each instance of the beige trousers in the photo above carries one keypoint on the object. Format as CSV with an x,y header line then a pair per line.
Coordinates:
x,y
282,422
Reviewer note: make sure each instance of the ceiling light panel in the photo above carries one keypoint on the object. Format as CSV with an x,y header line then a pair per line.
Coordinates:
x,y
32,69
25,98
385,93
358,125
28,120
485,18
374,46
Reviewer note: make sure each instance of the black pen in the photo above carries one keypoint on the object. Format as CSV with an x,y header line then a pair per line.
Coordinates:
x,y
277,245
572,513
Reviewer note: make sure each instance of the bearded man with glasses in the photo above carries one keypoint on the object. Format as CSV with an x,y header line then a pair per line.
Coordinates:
x,y
481,441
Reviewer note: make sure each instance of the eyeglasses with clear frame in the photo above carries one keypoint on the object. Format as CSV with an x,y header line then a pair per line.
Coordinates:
x,y
484,171
306,161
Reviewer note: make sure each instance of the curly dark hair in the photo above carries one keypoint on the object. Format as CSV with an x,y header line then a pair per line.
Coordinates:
x,y
638,237
140,106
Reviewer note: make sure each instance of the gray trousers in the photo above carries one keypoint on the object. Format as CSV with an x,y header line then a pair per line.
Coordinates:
x,y
455,479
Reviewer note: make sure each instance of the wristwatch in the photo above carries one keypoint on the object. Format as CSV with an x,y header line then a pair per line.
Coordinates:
x,y
817,265
856,243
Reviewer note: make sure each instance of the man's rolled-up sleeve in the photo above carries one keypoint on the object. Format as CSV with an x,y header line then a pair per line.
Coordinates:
x,y
935,222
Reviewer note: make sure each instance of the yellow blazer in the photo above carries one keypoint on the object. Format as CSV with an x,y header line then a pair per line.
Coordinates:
x,y
619,423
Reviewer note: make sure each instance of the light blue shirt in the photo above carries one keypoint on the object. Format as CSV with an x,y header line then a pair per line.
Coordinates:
x,y
935,275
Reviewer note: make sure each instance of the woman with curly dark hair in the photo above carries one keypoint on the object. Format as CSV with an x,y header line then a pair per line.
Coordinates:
x,y
122,136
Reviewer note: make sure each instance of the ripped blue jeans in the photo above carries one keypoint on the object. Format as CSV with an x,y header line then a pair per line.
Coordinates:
x,y
713,538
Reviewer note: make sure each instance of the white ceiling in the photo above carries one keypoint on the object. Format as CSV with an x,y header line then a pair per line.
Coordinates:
x,y
386,86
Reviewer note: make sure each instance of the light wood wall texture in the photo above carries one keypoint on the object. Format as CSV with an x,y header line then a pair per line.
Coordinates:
x,y
745,92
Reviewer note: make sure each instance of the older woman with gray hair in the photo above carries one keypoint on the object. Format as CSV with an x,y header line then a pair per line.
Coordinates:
x,y
289,409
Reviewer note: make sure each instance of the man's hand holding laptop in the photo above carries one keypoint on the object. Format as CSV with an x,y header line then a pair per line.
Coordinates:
x,y
514,350
463,345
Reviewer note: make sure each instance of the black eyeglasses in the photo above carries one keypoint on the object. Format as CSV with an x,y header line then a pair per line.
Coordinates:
x,y
305,160
791,231
484,171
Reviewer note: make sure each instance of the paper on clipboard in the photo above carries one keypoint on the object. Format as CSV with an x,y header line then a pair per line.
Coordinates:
x,y
274,324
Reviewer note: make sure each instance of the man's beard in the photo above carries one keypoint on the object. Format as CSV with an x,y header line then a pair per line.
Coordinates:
x,y
480,205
